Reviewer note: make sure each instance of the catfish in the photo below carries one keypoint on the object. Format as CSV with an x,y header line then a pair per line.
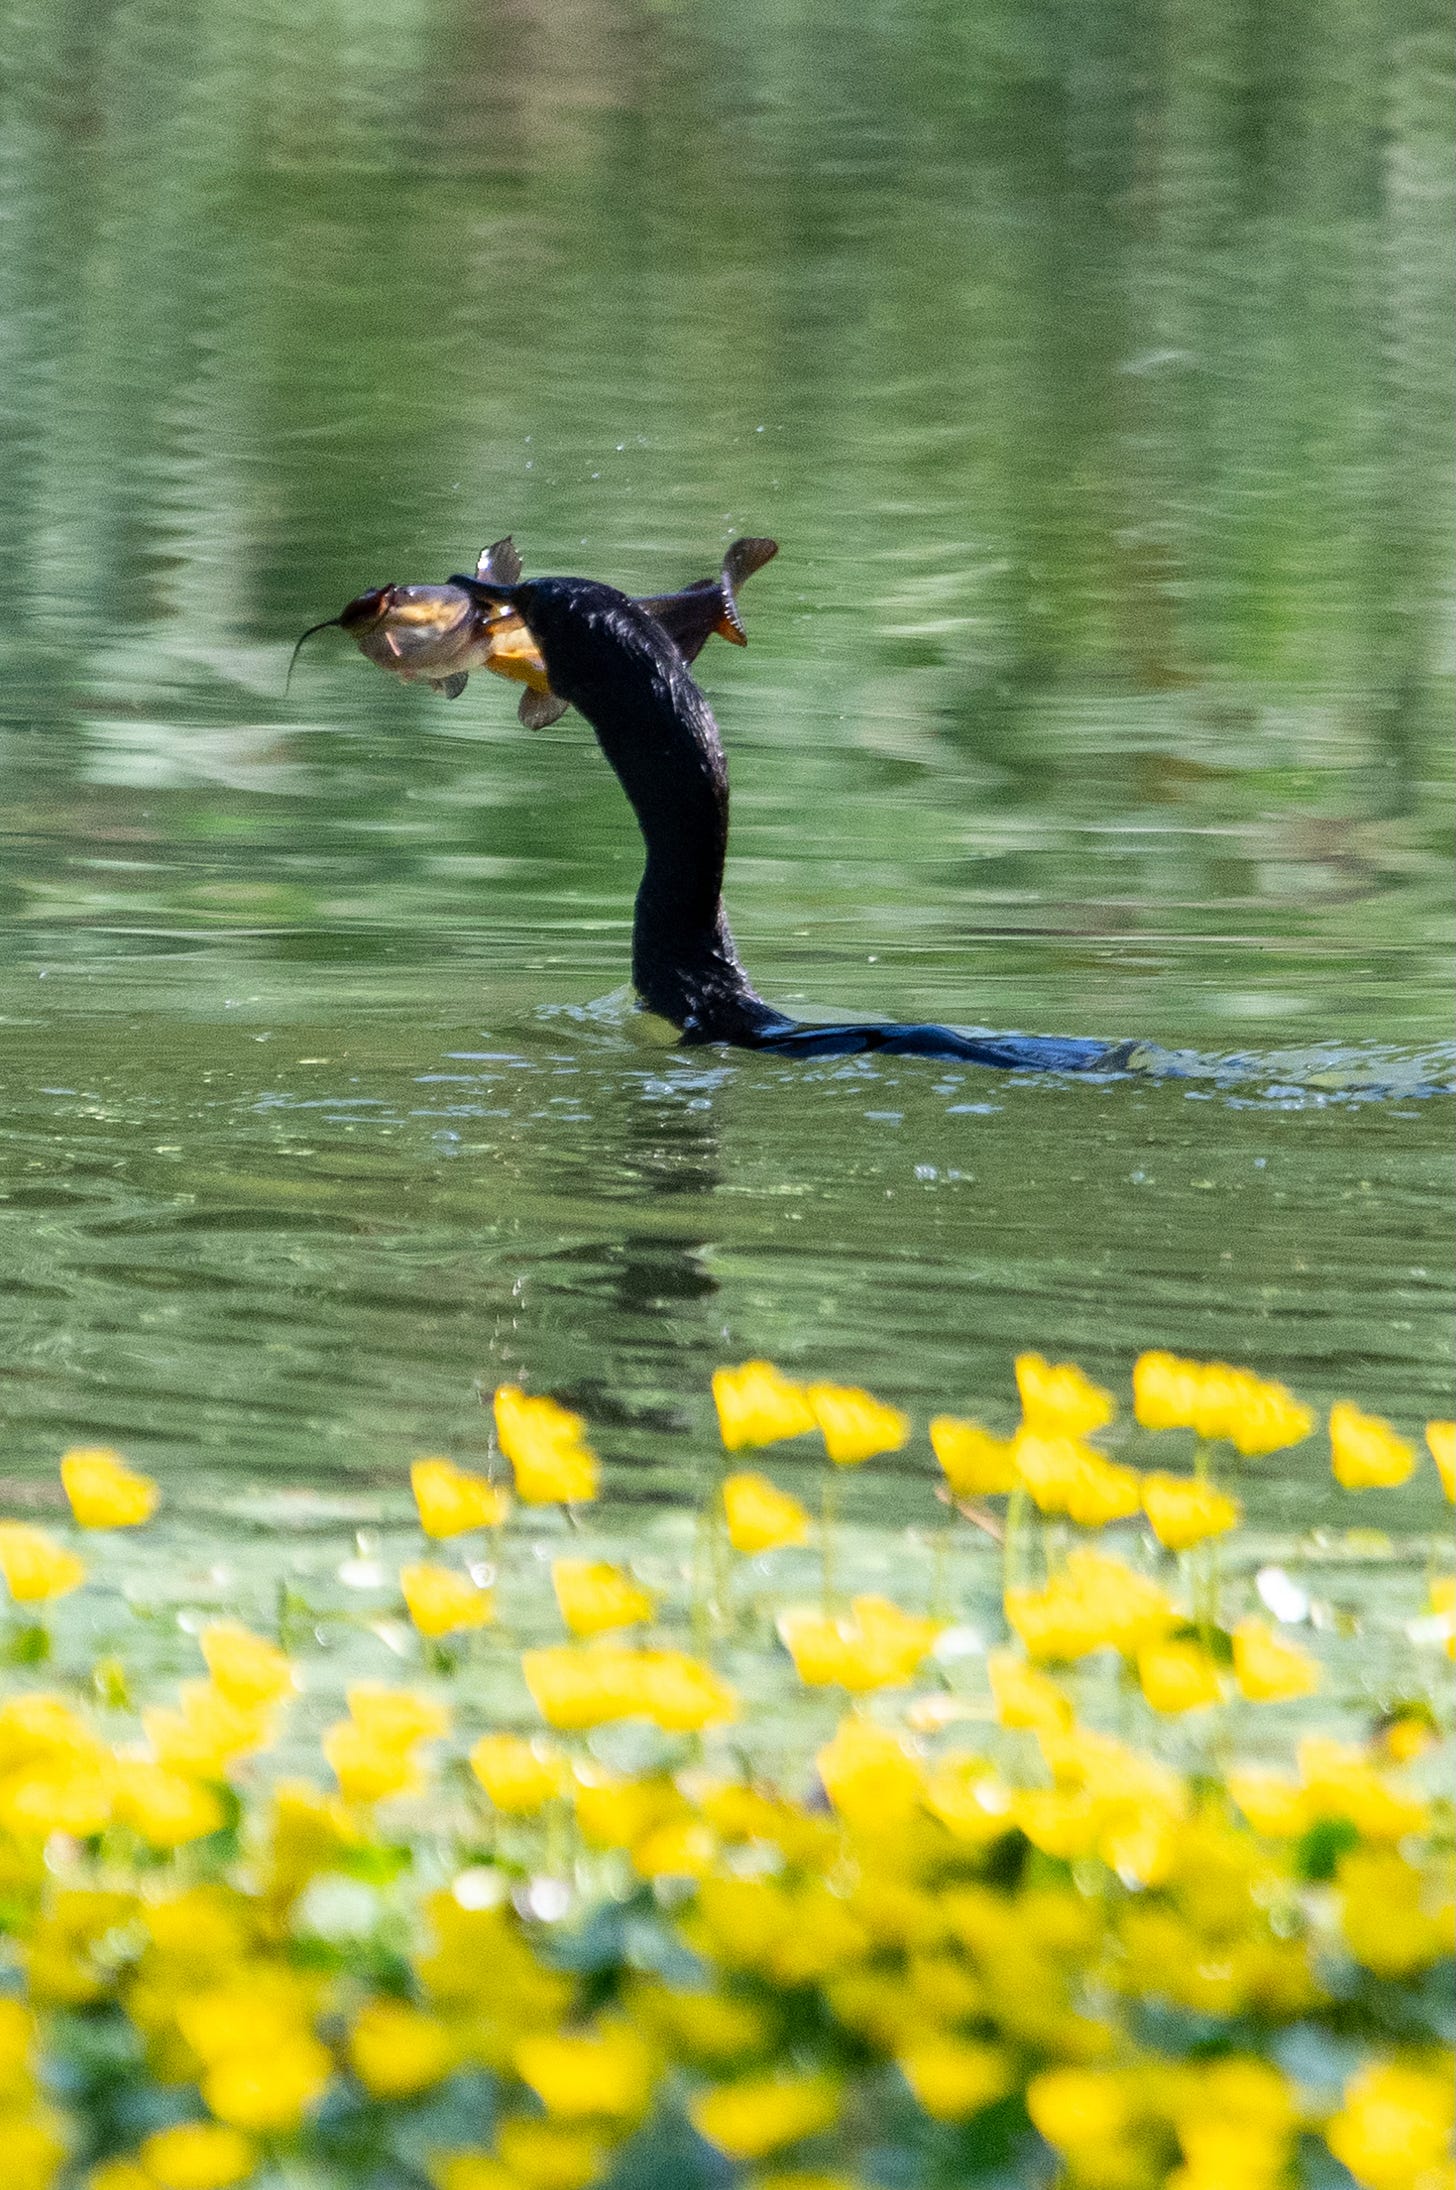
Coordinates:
x,y
438,634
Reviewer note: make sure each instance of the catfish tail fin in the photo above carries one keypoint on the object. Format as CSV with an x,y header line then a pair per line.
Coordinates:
x,y
691,617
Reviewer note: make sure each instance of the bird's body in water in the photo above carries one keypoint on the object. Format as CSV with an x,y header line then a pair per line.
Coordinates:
x,y
609,657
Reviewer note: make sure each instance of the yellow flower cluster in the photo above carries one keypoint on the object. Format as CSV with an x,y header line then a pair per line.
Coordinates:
x,y
758,1405
760,1516
451,1500
1366,1453
876,1646
944,1917
378,1750
1097,1602
575,1687
547,1449
1254,1415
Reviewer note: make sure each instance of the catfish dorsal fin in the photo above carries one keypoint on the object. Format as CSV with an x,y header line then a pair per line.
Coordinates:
x,y
499,564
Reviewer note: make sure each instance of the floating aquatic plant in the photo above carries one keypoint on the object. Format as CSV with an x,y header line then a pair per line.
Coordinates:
x,y
1090,1904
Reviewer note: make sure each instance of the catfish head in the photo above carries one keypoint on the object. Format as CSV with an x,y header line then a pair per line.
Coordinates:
x,y
437,634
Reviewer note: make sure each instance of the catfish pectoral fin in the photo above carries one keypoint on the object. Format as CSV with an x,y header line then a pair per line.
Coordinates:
x,y
499,564
539,709
453,685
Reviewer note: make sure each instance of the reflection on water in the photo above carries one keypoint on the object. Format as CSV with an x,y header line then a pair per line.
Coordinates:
x,y
285,1261
1091,367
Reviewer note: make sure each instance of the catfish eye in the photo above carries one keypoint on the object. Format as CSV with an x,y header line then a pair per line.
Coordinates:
x,y
367,609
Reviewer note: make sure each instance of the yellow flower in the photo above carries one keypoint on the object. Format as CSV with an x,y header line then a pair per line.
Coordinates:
x,y
116,2175
103,1491
854,1424
1340,1781
396,1718
35,2150
1441,1438
549,2155
43,1728
262,2007
197,2156
954,2078
1184,1512
1365,1452
1274,1804
682,1695
877,1646
1078,2109
269,2091
707,2028
1258,1416
206,1731
1024,1696
871,1776
543,1442
166,1808
451,1500
1394,2130
1166,1390
1267,1668
574,1687
613,1812
1066,1476
1095,1602
247,1669
969,1799
1235,2120
1177,1675
519,1776
373,1751
61,1796
310,1831
1217,1401
206,1926
470,2171
595,1598
1383,1915
760,1516
36,1568
396,2051
1060,1401
758,1405
803,2178
367,1769
578,2075
442,1602
974,1463
760,2114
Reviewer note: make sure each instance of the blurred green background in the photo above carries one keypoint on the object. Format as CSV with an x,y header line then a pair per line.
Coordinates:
x,y
1089,361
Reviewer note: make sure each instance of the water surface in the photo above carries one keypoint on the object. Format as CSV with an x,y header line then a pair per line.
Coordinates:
x,y
1090,365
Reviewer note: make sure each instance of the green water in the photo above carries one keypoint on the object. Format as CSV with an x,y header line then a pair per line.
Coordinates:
x,y
1089,362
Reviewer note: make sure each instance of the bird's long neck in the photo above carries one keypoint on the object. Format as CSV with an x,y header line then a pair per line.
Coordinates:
x,y
658,732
